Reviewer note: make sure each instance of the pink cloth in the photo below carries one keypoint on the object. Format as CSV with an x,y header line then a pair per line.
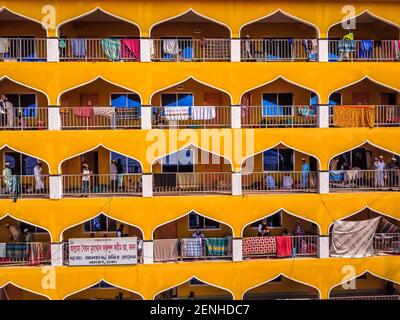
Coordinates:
x,y
83,111
130,48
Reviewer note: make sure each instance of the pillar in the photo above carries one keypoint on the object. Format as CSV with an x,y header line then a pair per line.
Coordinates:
x,y
148,257
53,53
57,253
236,117
55,187
237,252
323,247
145,117
323,52
236,184
323,182
323,116
147,184
235,50
145,49
54,118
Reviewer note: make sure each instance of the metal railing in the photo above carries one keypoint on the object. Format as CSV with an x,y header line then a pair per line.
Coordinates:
x,y
77,118
94,49
303,246
191,49
25,253
35,118
192,183
364,50
279,116
23,49
355,179
191,248
192,117
129,184
279,50
24,186
371,297
284,181
387,242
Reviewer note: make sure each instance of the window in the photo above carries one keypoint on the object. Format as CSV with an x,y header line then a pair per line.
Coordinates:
x,y
31,228
100,223
278,160
176,99
273,104
198,222
335,99
313,99
25,102
20,164
129,165
126,100
274,221
180,161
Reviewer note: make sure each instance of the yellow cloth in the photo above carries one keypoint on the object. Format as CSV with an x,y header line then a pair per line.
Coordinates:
x,y
354,116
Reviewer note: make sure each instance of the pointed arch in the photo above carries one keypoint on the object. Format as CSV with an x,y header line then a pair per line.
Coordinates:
x,y
4,8
26,85
25,289
27,222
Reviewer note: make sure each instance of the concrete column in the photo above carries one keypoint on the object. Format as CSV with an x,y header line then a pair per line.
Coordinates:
x,y
147,184
55,187
236,184
237,252
323,182
53,52
148,255
145,117
145,50
57,251
235,50
323,116
323,53
236,117
54,118
323,247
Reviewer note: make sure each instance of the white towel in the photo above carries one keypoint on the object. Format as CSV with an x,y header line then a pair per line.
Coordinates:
x,y
4,45
176,113
104,111
203,112
170,46
3,250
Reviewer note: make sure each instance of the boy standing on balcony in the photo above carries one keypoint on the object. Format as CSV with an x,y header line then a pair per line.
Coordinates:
x,y
7,111
85,179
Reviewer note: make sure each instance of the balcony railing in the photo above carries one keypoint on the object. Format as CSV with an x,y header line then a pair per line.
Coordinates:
x,y
371,297
355,179
25,253
364,50
266,247
192,183
388,243
279,50
30,118
129,184
278,116
23,49
78,118
191,248
192,117
19,186
280,181
91,49
191,50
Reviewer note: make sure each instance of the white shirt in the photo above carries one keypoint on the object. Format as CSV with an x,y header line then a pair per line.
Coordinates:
x,y
113,171
37,171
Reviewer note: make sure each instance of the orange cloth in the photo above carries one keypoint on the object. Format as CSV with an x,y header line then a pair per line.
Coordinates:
x,y
354,116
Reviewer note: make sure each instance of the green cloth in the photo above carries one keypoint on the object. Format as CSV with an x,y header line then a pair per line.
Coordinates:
x,y
111,48
62,44
217,246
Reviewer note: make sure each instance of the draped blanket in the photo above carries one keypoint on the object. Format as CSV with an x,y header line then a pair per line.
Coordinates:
x,y
387,227
354,116
192,247
165,250
259,246
217,246
353,239
284,246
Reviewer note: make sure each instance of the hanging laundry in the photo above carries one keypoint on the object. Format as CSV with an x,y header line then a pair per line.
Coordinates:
x,y
306,110
192,247
354,116
203,112
2,250
366,49
4,45
283,246
396,49
171,46
111,48
254,246
217,246
83,111
36,253
78,47
176,113
104,111
130,49
165,250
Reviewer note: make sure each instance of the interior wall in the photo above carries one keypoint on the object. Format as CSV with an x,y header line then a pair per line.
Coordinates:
x,y
22,28
98,29
78,231
377,30
9,87
202,291
187,29
5,234
104,294
259,30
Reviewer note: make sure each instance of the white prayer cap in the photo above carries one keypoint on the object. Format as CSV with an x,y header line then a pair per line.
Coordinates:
x,y
380,157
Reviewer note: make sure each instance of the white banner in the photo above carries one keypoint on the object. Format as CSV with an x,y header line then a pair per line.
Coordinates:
x,y
102,251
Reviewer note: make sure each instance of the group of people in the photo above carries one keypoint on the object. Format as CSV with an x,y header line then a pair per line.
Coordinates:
x,y
17,236
264,229
10,182
6,112
381,174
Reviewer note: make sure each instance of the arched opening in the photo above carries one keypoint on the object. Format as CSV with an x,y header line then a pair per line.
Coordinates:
x,y
282,288
364,38
280,235
99,36
190,37
364,168
104,291
279,37
103,230
279,103
23,176
23,244
194,289
24,108
23,39
280,169
366,287
101,172
366,233
191,104
365,103
12,292
192,237
100,104
192,171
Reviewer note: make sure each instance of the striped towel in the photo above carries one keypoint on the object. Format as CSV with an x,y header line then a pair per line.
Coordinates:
x,y
176,113
2,250
192,247
104,111
387,227
217,246
203,112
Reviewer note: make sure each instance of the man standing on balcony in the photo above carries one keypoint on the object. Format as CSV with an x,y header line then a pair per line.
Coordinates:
x,y
379,172
393,173
305,170
37,171
120,173
85,179
8,177
113,175
7,109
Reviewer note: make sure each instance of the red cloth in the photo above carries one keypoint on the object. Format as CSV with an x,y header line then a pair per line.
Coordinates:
x,y
130,48
83,111
283,246
258,246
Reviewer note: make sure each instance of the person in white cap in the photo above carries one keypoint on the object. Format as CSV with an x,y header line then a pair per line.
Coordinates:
x,y
37,171
393,173
27,236
7,177
379,174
